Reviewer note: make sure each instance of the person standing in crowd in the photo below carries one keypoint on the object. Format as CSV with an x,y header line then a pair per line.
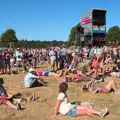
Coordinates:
x,y
35,56
25,60
63,54
57,55
2,62
69,55
119,52
19,58
115,53
7,56
75,62
92,52
52,58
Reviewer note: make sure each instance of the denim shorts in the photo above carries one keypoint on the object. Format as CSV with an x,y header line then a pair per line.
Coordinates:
x,y
73,111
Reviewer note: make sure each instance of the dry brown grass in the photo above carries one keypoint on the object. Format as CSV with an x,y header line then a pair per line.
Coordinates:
x,y
43,108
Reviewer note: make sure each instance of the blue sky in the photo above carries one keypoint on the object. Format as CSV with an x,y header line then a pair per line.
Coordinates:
x,y
50,19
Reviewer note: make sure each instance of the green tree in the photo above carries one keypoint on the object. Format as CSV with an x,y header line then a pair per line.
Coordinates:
x,y
113,34
73,31
9,36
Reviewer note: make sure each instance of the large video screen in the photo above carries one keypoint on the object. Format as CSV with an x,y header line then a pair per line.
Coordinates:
x,y
99,21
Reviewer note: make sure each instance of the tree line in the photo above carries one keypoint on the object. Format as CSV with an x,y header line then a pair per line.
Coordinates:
x,y
9,39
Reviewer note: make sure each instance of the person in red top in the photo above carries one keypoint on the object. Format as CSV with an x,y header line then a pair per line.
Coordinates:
x,y
94,63
7,56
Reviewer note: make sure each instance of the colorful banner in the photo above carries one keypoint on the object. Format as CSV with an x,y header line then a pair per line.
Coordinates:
x,y
85,21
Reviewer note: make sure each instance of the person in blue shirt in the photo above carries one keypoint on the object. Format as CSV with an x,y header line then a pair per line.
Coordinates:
x,y
92,52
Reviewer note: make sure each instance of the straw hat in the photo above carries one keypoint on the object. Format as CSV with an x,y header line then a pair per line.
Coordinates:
x,y
31,70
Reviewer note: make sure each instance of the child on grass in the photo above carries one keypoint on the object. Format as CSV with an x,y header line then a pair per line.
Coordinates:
x,y
5,97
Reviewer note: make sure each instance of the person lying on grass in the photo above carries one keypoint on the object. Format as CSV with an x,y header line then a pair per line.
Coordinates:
x,y
68,109
50,73
101,89
33,80
5,97
77,76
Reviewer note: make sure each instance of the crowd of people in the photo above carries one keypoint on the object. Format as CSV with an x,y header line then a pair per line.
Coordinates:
x,y
102,62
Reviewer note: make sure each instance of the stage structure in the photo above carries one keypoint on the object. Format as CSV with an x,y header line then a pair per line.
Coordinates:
x,y
94,27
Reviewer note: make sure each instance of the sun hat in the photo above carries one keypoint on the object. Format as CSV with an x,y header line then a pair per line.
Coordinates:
x,y
31,69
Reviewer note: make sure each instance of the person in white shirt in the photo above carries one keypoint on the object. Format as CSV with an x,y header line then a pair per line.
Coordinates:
x,y
19,53
52,59
19,62
70,109
12,61
33,80
19,58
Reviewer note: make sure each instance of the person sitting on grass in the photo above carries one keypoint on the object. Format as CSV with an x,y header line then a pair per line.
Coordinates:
x,y
116,70
102,89
33,80
69,109
5,97
118,65
115,74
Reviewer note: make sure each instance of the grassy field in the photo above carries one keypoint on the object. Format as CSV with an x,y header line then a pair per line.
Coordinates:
x,y
43,108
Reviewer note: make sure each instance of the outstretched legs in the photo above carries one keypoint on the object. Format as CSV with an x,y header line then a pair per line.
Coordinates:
x,y
86,110
112,85
52,74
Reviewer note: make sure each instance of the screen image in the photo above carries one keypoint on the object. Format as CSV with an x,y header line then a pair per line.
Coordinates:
x,y
100,29
99,17
99,21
